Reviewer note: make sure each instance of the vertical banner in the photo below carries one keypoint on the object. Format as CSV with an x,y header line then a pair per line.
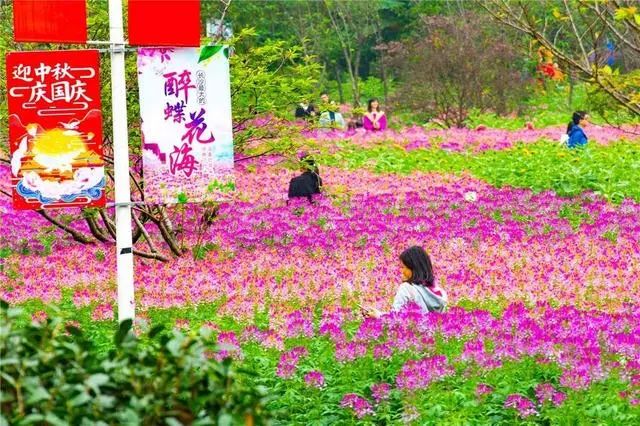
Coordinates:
x,y
164,23
55,129
50,21
185,105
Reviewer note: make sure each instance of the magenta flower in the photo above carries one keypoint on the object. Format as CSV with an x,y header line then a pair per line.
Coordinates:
x,y
289,362
558,398
332,330
39,317
228,346
102,312
483,389
360,406
350,351
370,329
383,351
314,379
297,325
420,374
545,392
380,392
522,405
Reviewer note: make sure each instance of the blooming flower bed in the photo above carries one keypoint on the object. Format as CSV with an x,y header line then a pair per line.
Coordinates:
x,y
545,289
476,140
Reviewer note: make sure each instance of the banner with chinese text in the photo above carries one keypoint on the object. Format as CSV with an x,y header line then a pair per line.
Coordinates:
x,y
185,105
55,129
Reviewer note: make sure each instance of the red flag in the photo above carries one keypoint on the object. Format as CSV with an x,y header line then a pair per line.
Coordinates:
x,y
164,23
50,21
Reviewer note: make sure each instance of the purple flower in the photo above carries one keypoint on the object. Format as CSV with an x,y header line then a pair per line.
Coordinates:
x,y
332,330
370,329
419,374
380,392
289,362
314,379
545,392
383,351
576,380
558,398
360,406
483,389
228,345
297,325
350,351
522,405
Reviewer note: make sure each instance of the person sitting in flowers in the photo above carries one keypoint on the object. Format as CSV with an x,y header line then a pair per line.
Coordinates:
x,y
331,118
305,110
374,119
309,182
418,285
575,130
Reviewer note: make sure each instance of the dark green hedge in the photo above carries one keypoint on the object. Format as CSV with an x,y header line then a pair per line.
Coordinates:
x,y
51,373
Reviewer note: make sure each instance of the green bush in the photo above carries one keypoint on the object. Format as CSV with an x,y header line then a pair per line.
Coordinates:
x,y
52,373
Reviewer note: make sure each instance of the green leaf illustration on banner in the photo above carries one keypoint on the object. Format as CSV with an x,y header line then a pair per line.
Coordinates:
x,y
226,50
182,198
208,52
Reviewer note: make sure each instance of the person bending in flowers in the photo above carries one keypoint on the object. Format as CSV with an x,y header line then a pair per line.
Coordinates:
x,y
418,285
308,183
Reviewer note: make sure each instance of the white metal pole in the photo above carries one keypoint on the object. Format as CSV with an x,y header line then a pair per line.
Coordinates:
x,y
124,244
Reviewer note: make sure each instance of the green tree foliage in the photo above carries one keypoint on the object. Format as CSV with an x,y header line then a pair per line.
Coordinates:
x,y
270,78
53,373
577,32
455,64
267,78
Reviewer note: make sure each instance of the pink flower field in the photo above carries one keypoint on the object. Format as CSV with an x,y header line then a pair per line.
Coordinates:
x,y
508,245
475,140
544,290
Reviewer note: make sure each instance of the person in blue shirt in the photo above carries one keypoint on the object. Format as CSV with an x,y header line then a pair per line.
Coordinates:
x,y
575,130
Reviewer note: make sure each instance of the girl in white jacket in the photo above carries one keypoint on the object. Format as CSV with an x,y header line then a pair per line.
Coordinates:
x,y
419,284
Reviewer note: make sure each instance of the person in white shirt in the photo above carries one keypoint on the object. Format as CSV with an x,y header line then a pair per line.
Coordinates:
x,y
418,285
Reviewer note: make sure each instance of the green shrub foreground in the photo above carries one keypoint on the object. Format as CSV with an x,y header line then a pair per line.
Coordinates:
x,y
51,373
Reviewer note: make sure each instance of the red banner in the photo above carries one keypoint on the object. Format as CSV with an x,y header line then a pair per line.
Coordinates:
x,y
50,21
173,23
55,129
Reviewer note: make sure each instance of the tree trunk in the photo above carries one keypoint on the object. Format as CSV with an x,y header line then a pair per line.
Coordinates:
x,y
166,229
355,81
76,235
95,229
570,90
385,83
352,77
339,80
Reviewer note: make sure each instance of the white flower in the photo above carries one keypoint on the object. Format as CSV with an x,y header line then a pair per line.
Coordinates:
x,y
470,196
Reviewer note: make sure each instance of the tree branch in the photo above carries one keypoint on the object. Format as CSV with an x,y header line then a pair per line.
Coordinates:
x,y
76,235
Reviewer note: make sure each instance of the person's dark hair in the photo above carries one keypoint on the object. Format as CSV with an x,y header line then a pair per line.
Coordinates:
x,y
309,164
323,93
575,119
372,101
416,259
